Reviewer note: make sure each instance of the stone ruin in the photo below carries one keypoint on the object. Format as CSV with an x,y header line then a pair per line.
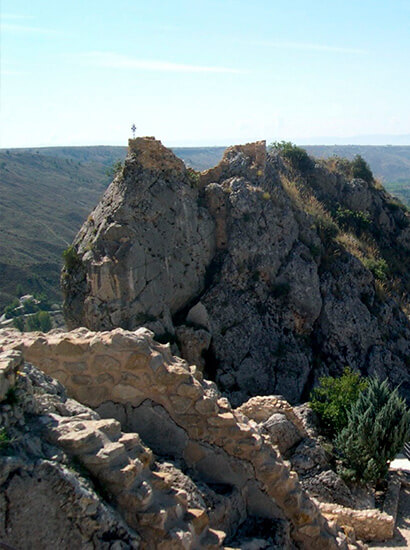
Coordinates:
x,y
140,404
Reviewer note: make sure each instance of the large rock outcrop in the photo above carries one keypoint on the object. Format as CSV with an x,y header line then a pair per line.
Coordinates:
x,y
246,270
148,245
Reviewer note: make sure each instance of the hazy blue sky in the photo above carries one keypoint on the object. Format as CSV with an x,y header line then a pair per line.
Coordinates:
x,y
202,71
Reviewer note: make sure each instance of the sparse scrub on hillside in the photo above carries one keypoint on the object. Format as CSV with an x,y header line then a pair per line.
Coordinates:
x,y
378,267
114,169
305,200
71,258
193,177
359,220
356,168
362,248
335,163
296,156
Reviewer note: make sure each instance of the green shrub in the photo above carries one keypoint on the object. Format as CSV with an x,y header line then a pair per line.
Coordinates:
x,y
115,169
30,306
40,321
19,290
379,268
4,440
18,322
334,397
358,220
71,258
44,319
296,156
327,229
193,177
9,311
377,428
360,169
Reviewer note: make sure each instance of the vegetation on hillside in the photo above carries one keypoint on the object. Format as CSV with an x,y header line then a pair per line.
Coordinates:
x,y
296,156
367,422
333,398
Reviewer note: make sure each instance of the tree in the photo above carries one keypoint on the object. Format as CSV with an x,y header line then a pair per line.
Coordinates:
x,y
40,321
18,322
360,169
44,320
333,399
377,428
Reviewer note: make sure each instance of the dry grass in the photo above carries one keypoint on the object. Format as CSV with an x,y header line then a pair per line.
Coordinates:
x,y
305,200
363,248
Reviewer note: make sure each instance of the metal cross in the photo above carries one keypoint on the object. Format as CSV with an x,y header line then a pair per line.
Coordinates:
x,y
133,128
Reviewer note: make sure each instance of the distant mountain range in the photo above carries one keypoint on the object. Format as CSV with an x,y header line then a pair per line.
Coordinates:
x,y
46,194
370,139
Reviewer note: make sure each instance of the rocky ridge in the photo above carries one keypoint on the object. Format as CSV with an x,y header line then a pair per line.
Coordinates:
x,y
245,268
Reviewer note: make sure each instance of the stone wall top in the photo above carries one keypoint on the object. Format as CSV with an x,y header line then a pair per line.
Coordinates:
x,y
152,155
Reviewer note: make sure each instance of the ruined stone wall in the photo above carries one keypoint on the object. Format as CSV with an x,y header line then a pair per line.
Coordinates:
x,y
130,367
368,525
145,494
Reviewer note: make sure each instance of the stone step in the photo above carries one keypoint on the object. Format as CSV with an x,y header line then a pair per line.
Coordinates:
x,y
198,518
81,442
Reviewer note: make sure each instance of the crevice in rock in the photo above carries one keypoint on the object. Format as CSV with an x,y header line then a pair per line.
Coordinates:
x,y
212,363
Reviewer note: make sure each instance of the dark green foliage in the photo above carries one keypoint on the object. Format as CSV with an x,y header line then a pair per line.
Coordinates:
x,y
378,267
40,321
296,156
114,169
334,397
30,306
193,177
4,440
18,323
360,169
71,258
377,428
44,302
10,310
359,220
19,290
327,229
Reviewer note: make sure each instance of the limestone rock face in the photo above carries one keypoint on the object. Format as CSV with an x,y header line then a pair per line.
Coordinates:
x,y
244,267
145,247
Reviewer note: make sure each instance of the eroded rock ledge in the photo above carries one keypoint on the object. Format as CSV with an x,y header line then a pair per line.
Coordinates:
x,y
118,371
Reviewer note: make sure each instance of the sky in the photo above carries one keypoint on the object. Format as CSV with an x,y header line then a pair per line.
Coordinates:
x,y
204,72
